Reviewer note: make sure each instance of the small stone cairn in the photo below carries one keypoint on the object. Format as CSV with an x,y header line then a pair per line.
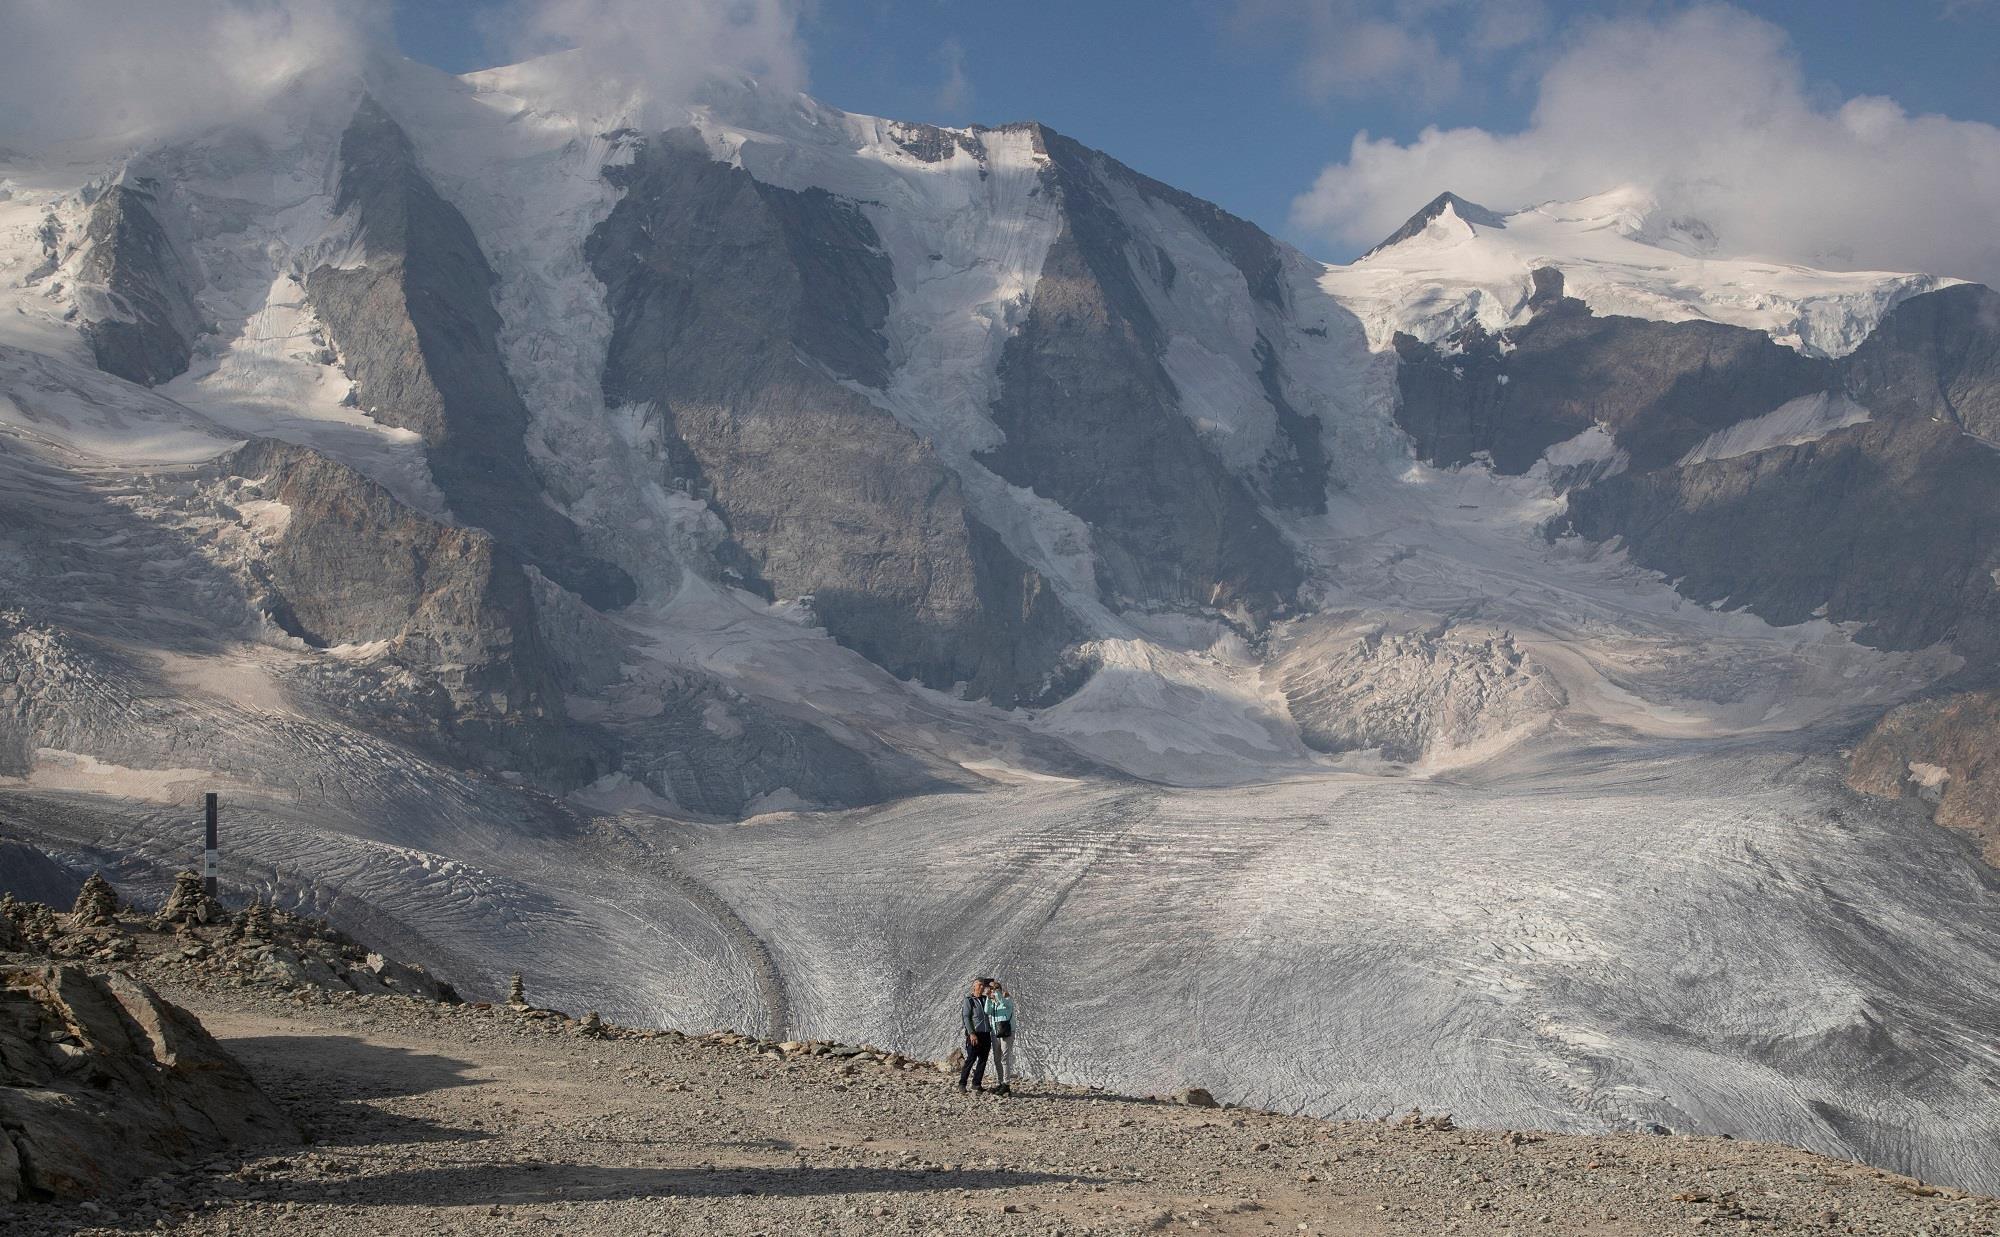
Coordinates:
x,y
36,924
189,903
96,904
256,920
517,992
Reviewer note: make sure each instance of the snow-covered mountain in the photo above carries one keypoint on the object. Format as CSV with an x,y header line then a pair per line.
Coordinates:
x,y
499,487
1456,262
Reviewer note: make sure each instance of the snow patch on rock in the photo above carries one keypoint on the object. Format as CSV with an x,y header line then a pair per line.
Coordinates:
x,y
1805,419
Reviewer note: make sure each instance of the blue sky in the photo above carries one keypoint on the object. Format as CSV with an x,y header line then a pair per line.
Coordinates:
x,y
1245,102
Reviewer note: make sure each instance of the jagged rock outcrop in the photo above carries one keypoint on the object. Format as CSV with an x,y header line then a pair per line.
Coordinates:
x,y
740,311
103,1082
1936,355
1661,387
1891,524
406,293
1092,418
134,288
1944,751
351,565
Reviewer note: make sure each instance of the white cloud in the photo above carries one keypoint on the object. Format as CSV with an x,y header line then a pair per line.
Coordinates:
x,y
954,96
142,71
1413,50
1708,109
669,46
147,69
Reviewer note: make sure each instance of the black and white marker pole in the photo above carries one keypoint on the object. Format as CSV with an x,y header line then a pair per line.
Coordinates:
x,y
211,862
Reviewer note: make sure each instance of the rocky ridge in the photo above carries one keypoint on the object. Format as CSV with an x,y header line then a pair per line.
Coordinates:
x,y
101,1080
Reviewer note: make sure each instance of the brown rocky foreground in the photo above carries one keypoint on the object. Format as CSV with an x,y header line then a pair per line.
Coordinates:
x,y
428,1117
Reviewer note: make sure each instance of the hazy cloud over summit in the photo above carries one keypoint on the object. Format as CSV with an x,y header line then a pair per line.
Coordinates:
x,y
666,47
1710,110
148,69
138,68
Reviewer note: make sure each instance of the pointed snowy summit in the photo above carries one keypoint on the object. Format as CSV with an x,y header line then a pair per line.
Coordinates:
x,y
1470,212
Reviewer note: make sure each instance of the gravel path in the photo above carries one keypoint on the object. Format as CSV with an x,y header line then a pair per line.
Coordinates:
x,y
431,1118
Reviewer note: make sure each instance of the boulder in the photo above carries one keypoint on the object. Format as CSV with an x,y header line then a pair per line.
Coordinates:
x,y
103,1082
1196,1097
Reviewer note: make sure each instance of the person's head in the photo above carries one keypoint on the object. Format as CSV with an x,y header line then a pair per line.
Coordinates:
x,y
978,986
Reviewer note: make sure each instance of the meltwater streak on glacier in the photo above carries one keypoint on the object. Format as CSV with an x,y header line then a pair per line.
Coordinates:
x,y
1662,907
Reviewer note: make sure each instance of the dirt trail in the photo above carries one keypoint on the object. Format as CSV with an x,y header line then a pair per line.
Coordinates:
x,y
439,1119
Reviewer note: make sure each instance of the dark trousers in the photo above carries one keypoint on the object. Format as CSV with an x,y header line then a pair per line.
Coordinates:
x,y
975,1059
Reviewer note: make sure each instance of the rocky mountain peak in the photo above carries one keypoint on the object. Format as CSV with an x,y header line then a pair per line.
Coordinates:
x,y
1467,211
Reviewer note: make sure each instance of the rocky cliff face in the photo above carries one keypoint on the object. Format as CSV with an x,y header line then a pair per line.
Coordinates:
x,y
744,313
1093,420
350,565
406,294
1838,517
135,288
1661,387
1890,523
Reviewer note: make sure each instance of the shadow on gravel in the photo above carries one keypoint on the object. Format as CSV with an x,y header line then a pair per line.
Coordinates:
x,y
358,1125
324,1081
346,1068
515,1184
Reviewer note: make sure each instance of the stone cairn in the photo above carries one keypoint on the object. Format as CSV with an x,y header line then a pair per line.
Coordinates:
x,y
36,923
517,992
189,903
96,904
257,920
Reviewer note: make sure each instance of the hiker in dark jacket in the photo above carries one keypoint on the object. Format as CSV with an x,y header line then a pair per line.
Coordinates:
x,y
978,1028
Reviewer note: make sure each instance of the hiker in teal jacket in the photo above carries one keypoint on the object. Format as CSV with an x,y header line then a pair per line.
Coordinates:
x,y
1000,1016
